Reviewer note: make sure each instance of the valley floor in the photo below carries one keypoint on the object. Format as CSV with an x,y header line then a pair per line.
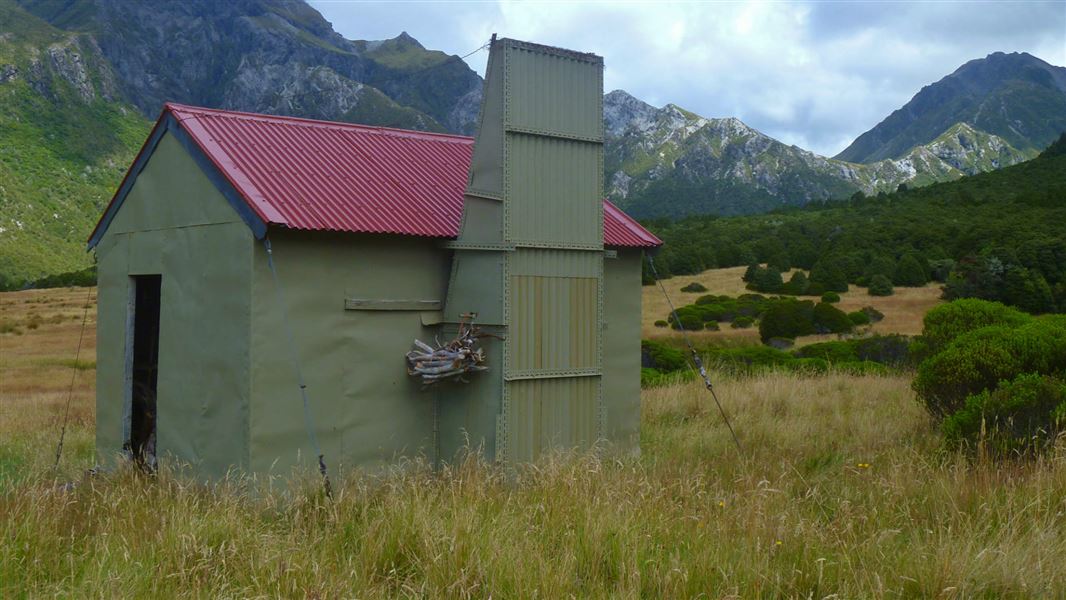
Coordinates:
x,y
841,488
903,310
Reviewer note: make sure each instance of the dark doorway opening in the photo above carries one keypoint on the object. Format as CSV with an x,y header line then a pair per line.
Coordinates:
x,y
145,368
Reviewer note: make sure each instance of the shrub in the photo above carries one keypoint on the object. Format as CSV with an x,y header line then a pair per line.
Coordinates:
x,y
767,280
711,326
787,318
780,343
831,297
892,350
910,272
859,318
1018,415
654,377
779,262
688,318
828,275
694,288
978,360
880,286
661,323
750,356
834,352
888,350
946,322
830,319
665,358
875,315
749,273
797,284
742,322
940,269
880,265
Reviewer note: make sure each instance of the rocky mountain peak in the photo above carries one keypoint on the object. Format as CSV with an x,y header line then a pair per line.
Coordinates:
x,y
622,111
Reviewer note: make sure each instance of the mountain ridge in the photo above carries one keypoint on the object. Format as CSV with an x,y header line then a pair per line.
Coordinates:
x,y
1015,96
671,162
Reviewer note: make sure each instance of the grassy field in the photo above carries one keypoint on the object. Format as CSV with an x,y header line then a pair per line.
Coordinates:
x,y
841,490
903,310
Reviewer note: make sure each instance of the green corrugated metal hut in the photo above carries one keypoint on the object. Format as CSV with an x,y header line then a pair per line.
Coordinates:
x,y
379,237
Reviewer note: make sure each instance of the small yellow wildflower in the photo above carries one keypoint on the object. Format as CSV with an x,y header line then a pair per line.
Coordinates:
x,y
863,465
777,543
721,503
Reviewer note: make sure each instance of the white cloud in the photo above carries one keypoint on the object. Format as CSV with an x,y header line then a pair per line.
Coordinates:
x,y
816,74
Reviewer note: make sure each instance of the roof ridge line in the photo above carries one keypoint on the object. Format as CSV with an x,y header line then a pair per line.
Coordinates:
x,y
174,107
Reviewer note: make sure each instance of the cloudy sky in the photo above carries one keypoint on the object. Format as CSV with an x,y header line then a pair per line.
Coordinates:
x,y
814,74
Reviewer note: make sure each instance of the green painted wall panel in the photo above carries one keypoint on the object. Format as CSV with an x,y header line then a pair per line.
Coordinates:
x,y
621,342
554,93
486,164
549,262
482,221
171,193
112,282
175,223
547,414
554,325
475,284
367,409
554,192
469,412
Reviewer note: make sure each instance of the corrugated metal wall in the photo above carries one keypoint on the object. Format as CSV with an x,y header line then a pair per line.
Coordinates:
x,y
550,181
539,154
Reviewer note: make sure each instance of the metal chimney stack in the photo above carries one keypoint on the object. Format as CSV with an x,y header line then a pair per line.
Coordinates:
x,y
529,259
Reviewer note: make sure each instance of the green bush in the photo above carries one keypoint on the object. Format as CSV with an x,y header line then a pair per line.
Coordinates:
x,y
653,377
662,323
797,285
887,350
910,272
749,356
831,297
766,280
662,357
742,322
880,265
830,319
1019,415
711,326
976,361
829,276
946,322
834,352
892,350
874,314
694,288
787,318
880,286
858,318
687,317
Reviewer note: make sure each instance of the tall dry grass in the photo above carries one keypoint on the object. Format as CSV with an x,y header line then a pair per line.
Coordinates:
x,y
841,489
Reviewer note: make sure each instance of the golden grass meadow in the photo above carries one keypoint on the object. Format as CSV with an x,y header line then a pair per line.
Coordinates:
x,y
842,490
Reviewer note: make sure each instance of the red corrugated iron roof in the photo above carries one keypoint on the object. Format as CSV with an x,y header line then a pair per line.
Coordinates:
x,y
325,176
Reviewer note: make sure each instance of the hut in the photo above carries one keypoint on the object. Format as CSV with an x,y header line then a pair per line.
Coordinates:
x,y
248,259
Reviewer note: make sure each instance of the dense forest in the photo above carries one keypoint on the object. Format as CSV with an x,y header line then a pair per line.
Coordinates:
x,y
998,236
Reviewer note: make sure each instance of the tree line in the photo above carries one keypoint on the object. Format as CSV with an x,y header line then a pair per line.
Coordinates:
x,y
997,236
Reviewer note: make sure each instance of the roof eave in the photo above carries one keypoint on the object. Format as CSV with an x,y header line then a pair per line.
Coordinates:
x,y
167,123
